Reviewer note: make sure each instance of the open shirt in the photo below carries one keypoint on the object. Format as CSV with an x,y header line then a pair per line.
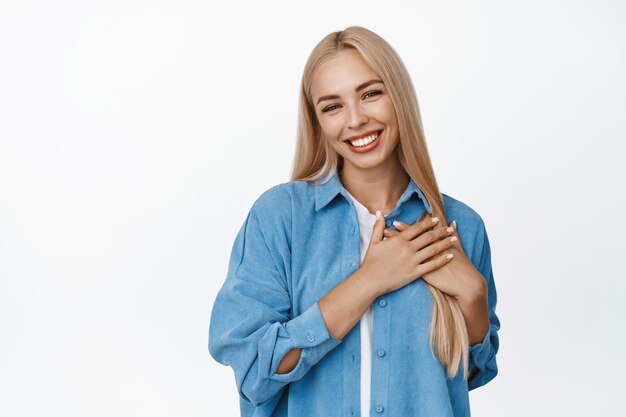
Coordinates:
x,y
298,241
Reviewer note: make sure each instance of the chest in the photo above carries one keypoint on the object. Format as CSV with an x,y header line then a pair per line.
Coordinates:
x,y
327,249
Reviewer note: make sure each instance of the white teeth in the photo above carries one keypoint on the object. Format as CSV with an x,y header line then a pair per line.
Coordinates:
x,y
364,141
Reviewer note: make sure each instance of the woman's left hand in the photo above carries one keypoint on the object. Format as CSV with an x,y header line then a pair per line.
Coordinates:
x,y
457,278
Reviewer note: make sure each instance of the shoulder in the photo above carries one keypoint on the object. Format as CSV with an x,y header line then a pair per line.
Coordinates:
x,y
282,198
460,211
276,205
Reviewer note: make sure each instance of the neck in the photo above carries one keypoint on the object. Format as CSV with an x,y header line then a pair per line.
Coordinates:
x,y
378,188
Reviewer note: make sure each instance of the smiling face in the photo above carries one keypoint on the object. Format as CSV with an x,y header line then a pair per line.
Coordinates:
x,y
351,102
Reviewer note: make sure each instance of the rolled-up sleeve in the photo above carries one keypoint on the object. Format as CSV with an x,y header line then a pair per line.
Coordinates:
x,y
482,356
251,328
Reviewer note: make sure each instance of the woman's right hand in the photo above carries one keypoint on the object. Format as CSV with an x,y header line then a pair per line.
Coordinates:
x,y
392,263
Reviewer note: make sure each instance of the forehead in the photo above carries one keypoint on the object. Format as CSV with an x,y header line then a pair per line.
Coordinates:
x,y
341,74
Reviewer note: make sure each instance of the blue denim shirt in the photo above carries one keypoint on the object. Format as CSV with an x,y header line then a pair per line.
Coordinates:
x,y
299,241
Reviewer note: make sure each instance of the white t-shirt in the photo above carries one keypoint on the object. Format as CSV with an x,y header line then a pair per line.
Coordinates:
x,y
366,224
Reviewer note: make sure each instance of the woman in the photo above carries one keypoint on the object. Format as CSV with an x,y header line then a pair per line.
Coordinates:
x,y
312,260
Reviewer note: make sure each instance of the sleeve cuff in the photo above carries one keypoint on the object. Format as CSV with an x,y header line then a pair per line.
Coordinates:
x,y
309,332
481,352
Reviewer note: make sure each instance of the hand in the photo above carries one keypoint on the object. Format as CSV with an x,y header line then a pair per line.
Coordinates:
x,y
457,278
400,259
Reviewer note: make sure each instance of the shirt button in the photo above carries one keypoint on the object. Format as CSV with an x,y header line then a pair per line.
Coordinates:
x,y
379,408
382,302
389,222
381,352
310,338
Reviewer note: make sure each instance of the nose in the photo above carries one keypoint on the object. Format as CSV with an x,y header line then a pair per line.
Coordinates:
x,y
356,117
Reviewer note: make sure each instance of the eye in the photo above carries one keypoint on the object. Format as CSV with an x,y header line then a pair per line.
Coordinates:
x,y
373,93
329,108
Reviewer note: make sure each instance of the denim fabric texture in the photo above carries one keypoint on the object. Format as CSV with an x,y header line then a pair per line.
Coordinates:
x,y
299,241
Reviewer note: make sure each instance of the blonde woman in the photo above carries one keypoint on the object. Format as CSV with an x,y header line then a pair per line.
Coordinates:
x,y
348,291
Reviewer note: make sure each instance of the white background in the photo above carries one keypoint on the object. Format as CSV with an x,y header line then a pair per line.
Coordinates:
x,y
134,137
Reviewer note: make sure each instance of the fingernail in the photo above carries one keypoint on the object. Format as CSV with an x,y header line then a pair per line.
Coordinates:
x,y
395,223
377,214
454,224
435,219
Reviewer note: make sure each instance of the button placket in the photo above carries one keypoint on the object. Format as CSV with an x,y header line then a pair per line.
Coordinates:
x,y
350,259
380,367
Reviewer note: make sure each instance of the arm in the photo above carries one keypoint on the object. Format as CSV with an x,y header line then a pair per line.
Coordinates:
x,y
250,328
482,353
341,308
476,313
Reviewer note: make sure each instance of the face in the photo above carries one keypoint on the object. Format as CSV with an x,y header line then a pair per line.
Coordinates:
x,y
355,111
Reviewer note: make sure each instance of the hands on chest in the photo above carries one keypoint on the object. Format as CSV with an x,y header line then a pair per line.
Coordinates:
x,y
455,275
458,277
396,258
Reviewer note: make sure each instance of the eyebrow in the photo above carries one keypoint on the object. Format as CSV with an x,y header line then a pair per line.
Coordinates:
x,y
359,88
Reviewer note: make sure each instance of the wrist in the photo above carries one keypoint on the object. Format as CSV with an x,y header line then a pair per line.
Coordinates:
x,y
474,300
476,313
371,288
474,292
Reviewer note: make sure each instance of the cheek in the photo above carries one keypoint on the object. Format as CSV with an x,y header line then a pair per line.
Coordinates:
x,y
331,127
386,112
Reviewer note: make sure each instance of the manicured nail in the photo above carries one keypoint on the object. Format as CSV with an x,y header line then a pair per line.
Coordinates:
x,y
377,214
454,224
435,219
453,239
449,256
395,223
449,230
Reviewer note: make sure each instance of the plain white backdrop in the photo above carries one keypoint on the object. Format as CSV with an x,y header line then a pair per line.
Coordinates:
x,y
135,135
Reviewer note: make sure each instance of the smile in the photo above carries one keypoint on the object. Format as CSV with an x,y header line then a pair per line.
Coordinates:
x,y
364,144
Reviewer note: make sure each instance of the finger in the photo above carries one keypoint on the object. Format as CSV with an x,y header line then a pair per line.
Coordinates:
x,y
430,237
454,250
410,232
435,263
436,247
456,233
400,225
451,226
379,226
424,216
388,232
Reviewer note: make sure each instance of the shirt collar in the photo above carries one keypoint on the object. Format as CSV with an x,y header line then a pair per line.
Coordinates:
x,y
326,192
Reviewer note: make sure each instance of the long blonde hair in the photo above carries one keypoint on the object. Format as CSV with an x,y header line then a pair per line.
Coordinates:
x,y
314,159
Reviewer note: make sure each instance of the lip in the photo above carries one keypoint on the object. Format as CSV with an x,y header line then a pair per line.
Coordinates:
x,y
363,135
366,148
